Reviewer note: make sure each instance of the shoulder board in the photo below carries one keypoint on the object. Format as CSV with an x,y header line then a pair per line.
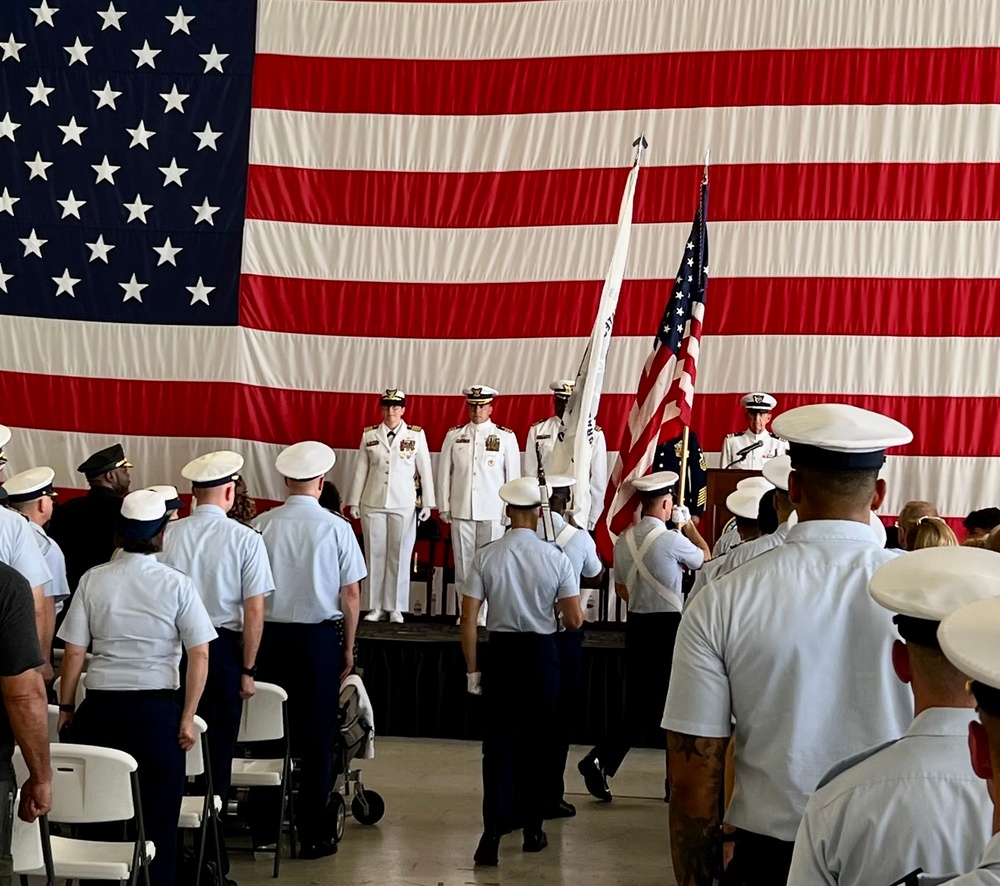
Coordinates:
x,y
371,428
456,428
598,429
852,761
776,437
734,434
341,516
505,430
416,428
540,421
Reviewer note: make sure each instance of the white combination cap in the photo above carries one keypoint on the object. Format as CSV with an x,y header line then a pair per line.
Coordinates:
x,y
758,401
761,483
393,397
776,471
213,469
524,492
745,502
839,436
479,395
5,436
144,514
305,461
968,638
656,484
560,481
171,499
31,484
562,387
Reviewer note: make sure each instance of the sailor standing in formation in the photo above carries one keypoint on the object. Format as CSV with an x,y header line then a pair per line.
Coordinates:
x,y
393,461
751,450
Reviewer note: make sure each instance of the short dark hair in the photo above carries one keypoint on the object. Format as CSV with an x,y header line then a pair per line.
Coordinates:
x,y
141,546
986,518
329,498
746,523
838,485
767,516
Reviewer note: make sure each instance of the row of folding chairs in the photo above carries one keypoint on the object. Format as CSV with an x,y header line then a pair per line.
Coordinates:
x,y
94,784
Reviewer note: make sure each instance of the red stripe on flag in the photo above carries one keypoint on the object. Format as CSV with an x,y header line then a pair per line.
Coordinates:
x,y
750,192
445,87
953,426
740,306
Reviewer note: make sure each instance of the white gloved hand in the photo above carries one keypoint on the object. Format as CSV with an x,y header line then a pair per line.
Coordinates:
x,y
680,515
424,514
472,682
353,512
445,516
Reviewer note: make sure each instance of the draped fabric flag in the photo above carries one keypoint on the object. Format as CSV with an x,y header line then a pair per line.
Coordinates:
x,y
662,407
424,196
574,449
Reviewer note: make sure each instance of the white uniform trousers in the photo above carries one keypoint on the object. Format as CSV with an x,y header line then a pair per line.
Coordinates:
x,y
390,534
467,537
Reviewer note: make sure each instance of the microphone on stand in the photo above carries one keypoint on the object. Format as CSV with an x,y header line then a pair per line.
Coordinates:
x,y
744,452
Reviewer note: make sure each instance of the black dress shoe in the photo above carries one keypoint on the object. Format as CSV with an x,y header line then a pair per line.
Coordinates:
x,y
534,841
594,778
562,809
488,849
322,849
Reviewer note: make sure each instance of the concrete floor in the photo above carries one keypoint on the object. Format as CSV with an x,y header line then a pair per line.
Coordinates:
x,y
432,824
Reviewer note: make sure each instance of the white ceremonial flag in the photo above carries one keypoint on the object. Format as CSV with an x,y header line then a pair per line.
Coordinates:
x,y
573,450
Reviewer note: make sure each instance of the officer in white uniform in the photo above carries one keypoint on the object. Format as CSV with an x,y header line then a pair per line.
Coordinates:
x,y
137,613
30,493
791,645
546,432
228,563
937,813
312,619
527,583
393,460
751,450
649,559
476,460
968,638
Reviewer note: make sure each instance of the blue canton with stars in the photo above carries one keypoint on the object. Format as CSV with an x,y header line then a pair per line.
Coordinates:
x,y
124,140
689,287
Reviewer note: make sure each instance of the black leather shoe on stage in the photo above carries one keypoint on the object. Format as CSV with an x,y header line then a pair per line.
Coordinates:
x,y
594,778
561,810
534,841
488,850
318,850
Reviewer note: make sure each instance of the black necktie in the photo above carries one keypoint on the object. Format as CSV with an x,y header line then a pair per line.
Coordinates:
x,y
390,435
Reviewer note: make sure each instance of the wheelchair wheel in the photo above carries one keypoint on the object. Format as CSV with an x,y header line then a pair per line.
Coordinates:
x,y
336,816
368,807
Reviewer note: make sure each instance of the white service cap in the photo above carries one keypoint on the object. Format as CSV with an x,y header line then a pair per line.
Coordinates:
x,y
305,461
655,484
393,397
524,492
562,387
560,481
144,514
745,502
761,483
213,469
968,638
776,471
5,436
479,395
29,485
758,401
171,499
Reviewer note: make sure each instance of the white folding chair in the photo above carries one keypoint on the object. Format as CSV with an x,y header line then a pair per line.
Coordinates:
x,y
53,723
81,689
265,718
91,784
30,848
201,813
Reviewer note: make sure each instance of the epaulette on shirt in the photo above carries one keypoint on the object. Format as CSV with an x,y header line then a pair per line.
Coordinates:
x,y
371,428
733,435
852,761
505,430
540,421
456,428
598,428
416,428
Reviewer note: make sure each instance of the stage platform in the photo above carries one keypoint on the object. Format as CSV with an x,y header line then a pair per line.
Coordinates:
x,y
415,675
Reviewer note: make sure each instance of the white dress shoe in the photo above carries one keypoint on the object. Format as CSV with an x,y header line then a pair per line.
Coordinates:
x,y
396,618
374,615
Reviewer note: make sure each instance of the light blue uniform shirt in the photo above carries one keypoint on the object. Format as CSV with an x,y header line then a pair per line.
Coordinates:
x,y
914,804
663,559
580,549
226,560
313,554
137,612
792,645
58,587
988,872
19,550
521,577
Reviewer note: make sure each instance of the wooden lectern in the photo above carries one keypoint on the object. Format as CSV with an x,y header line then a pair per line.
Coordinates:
x,y
720,483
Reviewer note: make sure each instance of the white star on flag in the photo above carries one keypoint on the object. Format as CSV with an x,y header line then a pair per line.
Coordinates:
x,y
105,171
37,167
199,292
213,60
133,289
141,135
99,249
179,21
172,173
112,18
205,212
71,206
4,278
40,93
33,244
167,252
7,202
12,49
174,99
106,97
65,283
78,52
44,13
7,127
146,55
137,209
72,132
206,138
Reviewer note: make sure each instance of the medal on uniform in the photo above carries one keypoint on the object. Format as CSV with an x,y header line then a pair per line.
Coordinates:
x,y
492,443
407,447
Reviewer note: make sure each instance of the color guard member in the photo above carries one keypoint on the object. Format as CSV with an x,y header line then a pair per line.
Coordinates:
x,y
668,458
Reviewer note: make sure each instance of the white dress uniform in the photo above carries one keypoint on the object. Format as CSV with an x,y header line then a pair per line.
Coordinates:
x,y
916,803
771,447
19,550
389,465
476,460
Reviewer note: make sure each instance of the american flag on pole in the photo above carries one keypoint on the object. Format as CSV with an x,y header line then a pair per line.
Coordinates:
x,y
662,406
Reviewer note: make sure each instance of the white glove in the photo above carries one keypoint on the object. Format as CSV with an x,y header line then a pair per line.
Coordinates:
x,y
680,515
424,514
472,683
353,512
445,516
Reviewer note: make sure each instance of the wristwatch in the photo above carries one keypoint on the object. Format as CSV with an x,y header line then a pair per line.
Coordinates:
x,y
249,672
67,709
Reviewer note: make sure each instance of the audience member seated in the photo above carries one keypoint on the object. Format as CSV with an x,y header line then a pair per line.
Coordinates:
x,y
930,532
908,516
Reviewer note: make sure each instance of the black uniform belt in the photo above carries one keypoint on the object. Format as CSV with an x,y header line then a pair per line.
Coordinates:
x,y
120,694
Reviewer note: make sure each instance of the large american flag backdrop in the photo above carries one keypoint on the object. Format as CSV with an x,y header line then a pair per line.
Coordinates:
x,y
232,223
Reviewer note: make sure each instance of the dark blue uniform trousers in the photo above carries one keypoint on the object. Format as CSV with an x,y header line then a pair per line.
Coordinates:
x,y
147,728
520,687
570,647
